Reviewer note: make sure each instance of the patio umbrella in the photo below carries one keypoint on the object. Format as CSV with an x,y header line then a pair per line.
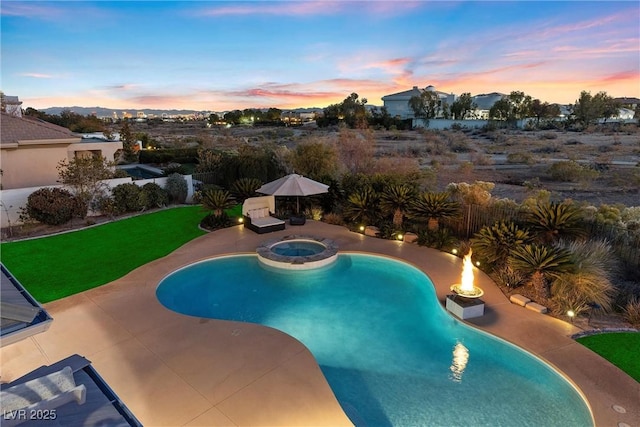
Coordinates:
x,y
294,185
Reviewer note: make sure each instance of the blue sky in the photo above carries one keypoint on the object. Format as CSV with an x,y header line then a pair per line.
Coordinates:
x,y
214,55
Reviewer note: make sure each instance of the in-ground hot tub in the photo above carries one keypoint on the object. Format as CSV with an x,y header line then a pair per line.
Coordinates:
x,y
298,252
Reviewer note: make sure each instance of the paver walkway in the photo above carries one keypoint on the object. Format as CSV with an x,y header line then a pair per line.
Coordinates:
x,y
175,370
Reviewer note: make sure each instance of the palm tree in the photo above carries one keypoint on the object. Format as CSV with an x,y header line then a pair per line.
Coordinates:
x,y
244,188
362,206
541,264
397,199
493,244
551,221
217,201
434,207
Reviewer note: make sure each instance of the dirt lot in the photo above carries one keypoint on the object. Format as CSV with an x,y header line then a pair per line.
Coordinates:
x,y
518,162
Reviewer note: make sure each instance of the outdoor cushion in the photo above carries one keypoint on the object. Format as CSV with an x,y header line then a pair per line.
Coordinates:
x,y
50,391
21,313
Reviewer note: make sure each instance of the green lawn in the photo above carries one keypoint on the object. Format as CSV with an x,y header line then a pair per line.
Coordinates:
x,y
620,348
58,266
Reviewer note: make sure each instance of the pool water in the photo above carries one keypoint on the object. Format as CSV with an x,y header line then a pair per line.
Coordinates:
x,y
298,248
391,354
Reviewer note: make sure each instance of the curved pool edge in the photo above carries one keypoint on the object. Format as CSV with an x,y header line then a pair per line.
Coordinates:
x,y
460,322
477,328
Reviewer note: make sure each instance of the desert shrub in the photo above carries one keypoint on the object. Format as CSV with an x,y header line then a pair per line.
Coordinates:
x,y
605,148
106,205
333,218
156,196
216,222
570,171
481,159
547,149
520,158
631,311
176,188
549,135
459,143
128,198
314,213
54,206
120,173
441,238
178,155
508,277
493,244
174,168
573,141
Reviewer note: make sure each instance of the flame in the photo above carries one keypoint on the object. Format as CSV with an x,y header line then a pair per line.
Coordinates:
x,y
467,274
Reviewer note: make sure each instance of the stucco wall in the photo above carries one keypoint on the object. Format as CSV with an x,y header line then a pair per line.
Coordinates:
x,y
14,199
30,164
446,123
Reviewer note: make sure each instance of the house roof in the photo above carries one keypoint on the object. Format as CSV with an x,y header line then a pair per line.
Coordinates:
x,y
485,101
15,129
21,315
405,94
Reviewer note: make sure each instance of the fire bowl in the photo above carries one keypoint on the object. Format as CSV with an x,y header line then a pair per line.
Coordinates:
x,y
474,293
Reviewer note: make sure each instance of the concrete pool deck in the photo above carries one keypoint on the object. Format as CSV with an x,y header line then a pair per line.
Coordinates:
x,y
173,370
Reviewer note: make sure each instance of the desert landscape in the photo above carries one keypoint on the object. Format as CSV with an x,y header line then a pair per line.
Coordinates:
x,y
597,166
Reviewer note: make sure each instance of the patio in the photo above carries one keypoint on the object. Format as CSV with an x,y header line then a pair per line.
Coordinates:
x,y
171,369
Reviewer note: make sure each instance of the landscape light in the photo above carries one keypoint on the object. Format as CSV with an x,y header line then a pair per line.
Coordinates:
x,y
571,315
399,237
454,251
240,220
362,228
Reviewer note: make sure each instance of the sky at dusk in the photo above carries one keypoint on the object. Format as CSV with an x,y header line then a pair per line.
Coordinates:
x,y
218,56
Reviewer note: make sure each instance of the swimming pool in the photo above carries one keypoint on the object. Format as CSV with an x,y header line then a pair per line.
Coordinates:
x,y
388,349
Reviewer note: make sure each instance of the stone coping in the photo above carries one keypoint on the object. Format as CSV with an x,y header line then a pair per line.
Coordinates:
x,y
326,257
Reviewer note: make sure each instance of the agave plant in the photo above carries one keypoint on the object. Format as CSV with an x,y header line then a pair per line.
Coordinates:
x,y
217,201
397,199
362,206
493,244
434,207
553,221
244,188
541,264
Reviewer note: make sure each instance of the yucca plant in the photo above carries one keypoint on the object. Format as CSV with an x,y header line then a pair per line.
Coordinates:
x,y
493,244
362,206
217,201
631,311
552,221
433,207
244,188
589,282
396,199
541,264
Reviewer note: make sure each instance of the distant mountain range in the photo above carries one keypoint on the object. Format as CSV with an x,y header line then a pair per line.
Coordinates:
x,y
108,112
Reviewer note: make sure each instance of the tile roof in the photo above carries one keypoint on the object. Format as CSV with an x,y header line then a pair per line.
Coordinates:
x,y
14,129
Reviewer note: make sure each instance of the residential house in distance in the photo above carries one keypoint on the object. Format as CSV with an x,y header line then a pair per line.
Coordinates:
x,y
484,102
32,148
397,104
